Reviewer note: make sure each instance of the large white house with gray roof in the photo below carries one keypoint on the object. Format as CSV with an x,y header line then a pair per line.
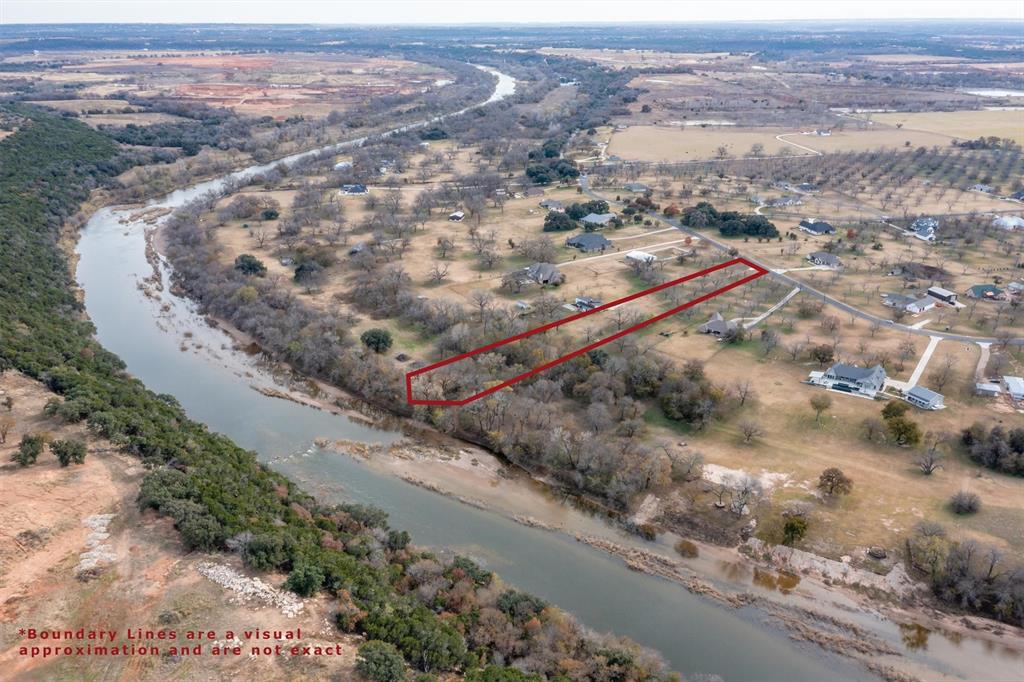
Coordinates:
x,y
863,381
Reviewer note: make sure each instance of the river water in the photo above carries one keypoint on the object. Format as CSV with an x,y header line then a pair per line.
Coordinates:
x,y
171,348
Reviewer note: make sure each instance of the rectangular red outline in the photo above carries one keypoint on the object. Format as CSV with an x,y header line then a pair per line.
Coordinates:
x,y
758,272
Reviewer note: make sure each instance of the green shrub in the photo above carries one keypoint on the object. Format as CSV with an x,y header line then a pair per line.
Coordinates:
x,y
380,662
305,579
377,340
68,451
29,449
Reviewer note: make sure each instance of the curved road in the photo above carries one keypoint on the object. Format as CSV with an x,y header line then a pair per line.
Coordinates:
x,y
806,288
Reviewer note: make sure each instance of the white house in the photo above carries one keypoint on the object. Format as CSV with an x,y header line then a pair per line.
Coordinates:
x,y
1009,222
920,305
640,257
926,399
456,217
863,381
1014,387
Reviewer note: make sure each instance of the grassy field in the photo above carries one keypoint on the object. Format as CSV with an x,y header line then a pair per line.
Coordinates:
x,y
689,143
890,492
964,125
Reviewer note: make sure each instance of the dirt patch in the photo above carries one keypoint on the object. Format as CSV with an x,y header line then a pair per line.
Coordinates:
x,y
75,552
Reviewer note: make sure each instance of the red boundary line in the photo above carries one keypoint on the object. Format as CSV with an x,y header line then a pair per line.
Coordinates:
x,y
758,272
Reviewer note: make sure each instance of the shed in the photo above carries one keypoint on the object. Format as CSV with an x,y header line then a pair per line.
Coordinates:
x,y
944,295
988,389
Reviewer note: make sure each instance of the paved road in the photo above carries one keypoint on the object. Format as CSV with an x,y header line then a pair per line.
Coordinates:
x,y
807,288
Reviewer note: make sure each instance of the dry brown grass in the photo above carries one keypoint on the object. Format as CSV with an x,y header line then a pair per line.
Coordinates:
x,y
962,124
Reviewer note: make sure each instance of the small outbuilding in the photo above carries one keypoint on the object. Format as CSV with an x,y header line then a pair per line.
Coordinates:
x,y
456,217
944,295
988,389
926,399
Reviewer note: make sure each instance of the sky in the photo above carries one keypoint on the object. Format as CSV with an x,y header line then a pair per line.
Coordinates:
x,y
492,11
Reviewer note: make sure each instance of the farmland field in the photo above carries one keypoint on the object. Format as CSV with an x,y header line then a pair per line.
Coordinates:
x,y
962,124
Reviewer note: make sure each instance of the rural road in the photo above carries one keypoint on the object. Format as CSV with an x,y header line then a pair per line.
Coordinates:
x,y
808,289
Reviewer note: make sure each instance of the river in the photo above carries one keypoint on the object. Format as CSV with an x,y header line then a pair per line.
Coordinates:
x,y
171,348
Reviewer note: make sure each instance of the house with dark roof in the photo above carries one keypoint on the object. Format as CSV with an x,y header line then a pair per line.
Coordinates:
x,y
924,228
862,381
987,292
545,273
636,187
808,187
816,227
926,399
1017,196
717,326
824,258
588,242
597,219
353,189
585,303
944,295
